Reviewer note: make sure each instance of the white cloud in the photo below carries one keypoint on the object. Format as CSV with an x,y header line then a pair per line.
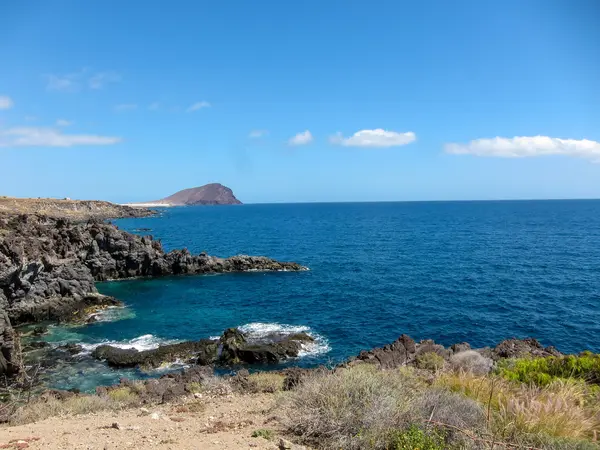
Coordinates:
x,y
126,107
255,134
301,138
100,79
198,105
374,138
66,83
6,102
49,137
527,146
154,106
73,82
63,123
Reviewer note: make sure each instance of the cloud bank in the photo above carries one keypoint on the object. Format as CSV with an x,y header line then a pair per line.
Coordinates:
x,y
301,138
527,146
50,137
377,138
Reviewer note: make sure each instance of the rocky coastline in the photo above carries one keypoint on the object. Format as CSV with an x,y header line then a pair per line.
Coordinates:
x,y
49,267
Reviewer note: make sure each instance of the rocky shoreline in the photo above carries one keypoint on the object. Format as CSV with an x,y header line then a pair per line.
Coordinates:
x,y
404,352
49,267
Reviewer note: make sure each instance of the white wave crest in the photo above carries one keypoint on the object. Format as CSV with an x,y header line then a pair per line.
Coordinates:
x,y
260,330
140,343
113,313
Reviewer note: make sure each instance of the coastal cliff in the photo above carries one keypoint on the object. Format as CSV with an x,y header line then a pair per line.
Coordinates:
x,y
72,209
48,268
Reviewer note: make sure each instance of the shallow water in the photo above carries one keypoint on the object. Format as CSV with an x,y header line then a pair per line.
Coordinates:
x,y
452,271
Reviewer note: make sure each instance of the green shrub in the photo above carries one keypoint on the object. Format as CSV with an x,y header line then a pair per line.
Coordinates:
x,y
263,433
430,361
124,395
415,438
543,371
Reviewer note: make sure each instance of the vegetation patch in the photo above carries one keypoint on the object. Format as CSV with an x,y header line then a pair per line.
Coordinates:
x,y
430,361
530,414
263,433
544,371
265,382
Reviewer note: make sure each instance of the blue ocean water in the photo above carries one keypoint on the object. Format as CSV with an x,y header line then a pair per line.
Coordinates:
x,y
451,271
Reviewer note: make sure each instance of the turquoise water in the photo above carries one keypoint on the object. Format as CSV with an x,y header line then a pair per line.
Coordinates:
x,y
452,271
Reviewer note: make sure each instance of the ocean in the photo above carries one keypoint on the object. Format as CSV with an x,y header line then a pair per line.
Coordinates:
x,y
451,271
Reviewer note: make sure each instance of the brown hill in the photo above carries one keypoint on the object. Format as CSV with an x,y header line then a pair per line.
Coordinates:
x,y
209,194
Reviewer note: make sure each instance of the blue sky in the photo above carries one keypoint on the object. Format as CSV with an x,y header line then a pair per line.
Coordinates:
x,y
301,101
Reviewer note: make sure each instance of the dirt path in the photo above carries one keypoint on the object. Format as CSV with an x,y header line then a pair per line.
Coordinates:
x,y
220,423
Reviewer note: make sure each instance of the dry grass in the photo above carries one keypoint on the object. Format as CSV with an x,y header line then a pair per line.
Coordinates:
x,y
40,409
125,395
268,382
517,411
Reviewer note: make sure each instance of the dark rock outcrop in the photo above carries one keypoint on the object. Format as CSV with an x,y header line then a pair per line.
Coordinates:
x,y
232,348
119,357
519,348
48,268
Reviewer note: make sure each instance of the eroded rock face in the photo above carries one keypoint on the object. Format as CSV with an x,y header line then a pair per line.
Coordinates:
x,y
48,266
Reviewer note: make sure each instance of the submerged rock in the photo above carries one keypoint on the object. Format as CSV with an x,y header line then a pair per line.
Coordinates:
x,y
72,349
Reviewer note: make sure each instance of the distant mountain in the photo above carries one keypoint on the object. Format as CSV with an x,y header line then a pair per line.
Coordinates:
x,y
209,194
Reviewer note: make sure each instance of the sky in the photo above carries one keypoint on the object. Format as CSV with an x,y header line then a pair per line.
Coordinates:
x,y
287,101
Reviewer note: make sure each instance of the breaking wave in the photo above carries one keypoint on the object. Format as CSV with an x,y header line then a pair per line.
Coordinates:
x,y
144,342
260,330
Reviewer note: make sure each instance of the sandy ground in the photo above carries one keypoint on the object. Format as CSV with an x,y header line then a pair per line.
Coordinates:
x,y
224,423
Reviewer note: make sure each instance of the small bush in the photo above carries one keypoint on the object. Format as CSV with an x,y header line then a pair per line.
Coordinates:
x,y
365,407
125,395
263,433
265,382
415,438
430,361
543,371
471,361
